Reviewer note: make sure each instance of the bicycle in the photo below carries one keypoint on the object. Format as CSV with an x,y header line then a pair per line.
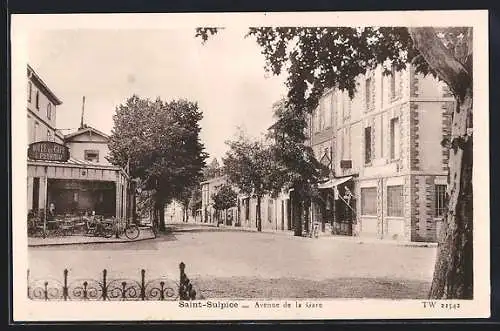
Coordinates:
x,y
130,230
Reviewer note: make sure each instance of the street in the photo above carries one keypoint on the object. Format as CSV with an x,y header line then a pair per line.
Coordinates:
x,y
236,264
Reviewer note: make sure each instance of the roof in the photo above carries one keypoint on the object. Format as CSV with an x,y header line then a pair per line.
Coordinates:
x,y
42,86
85,130
72,162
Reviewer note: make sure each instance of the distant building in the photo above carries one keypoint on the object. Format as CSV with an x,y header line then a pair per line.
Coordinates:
x,y
209,214
388,170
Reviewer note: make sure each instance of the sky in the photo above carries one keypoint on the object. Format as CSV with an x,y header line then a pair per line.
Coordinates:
x,y
225,76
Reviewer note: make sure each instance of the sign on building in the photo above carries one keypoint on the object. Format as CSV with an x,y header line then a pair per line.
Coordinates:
x,y
48,151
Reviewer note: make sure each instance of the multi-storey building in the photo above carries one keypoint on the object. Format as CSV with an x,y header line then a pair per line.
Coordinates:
x,y
388,169
69,174
41,107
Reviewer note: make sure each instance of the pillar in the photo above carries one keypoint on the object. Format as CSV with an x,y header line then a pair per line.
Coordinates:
x,y
117,196
43,202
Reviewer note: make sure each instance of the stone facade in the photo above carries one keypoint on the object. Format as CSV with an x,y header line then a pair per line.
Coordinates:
x,y
421,106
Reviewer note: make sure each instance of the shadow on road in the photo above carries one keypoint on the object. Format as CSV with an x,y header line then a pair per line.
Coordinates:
x,y
262,288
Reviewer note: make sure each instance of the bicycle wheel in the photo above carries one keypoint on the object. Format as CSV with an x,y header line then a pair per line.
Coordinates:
x,y
132,232
108,232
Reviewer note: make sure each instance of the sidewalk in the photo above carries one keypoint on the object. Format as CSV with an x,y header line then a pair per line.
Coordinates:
x,y
144,234
322,236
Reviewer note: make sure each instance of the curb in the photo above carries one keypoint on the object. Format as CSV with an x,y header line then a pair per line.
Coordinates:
x,y
334,238
89,242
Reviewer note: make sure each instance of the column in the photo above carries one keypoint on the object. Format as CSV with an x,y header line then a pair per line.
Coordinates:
x,y
117,196
43,195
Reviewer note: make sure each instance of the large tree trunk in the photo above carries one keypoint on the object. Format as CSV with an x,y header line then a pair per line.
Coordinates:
x,y
161,210
453,274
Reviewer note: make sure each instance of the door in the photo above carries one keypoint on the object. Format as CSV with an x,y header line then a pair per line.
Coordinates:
x,y
36,194
282,215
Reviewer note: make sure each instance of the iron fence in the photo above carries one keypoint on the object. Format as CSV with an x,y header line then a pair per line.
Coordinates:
x,y
119,289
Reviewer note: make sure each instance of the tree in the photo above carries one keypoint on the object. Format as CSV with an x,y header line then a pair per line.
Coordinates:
x,y
248,165
159,143
295,166
324,57
225,198
195,200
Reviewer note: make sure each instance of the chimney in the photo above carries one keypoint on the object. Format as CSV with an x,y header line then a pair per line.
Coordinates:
x,y
83,111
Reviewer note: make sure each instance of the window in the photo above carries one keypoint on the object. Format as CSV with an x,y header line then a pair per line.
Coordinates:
x,y
368,93
92,155
37,100
369,201
440,198
327,111
49,111
368,144
49,135
346,143
395,139
395,201
35,131
393,82
30,91
347,108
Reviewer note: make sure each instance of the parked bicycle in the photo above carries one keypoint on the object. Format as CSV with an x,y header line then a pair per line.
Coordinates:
x,y
100,228
130,230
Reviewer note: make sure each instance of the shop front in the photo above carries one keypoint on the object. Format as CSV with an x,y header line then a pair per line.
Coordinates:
x,y
63,190
336,205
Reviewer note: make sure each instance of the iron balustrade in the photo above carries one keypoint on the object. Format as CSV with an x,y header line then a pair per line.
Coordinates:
x,y
119,289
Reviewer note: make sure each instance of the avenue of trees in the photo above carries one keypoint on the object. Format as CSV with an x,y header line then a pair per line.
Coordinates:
x,y
158,142
319,58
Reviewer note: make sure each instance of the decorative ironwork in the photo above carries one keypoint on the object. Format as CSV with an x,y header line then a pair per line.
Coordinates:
x,y
119,289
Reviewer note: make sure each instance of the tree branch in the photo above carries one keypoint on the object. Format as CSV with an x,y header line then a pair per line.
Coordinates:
x,y
448,68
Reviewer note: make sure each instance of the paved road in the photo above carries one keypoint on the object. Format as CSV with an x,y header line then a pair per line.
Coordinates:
x,y
227,263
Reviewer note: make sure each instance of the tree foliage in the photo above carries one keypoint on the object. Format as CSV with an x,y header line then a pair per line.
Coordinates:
x,y
159,143
249,165
225,198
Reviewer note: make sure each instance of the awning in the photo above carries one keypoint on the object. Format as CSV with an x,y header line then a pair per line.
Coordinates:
x,y
334,182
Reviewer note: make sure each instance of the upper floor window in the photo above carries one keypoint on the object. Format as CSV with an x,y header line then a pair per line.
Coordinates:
x,y
49,111
440,200
30,91
368,145
346,108
49,135
35,131
92,155
37,100
395,138
369,93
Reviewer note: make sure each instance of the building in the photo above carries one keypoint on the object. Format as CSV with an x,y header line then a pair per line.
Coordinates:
x,y
41,109
275,213
69,173
88,144
210,187
388,170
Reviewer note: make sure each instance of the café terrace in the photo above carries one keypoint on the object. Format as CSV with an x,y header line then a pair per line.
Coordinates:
x,y
73,188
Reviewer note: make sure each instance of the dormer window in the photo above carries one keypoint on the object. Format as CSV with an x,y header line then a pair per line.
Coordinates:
x,y
92,155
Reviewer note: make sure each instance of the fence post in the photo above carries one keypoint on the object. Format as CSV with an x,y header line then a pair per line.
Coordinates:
x,y
65,288
143,284
182,277
104,285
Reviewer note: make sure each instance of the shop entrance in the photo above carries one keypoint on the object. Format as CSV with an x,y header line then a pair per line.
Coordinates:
x,y
78,197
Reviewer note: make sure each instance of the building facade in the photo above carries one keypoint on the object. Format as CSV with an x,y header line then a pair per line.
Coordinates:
x,y
208,213
388,169
68,175
41,110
